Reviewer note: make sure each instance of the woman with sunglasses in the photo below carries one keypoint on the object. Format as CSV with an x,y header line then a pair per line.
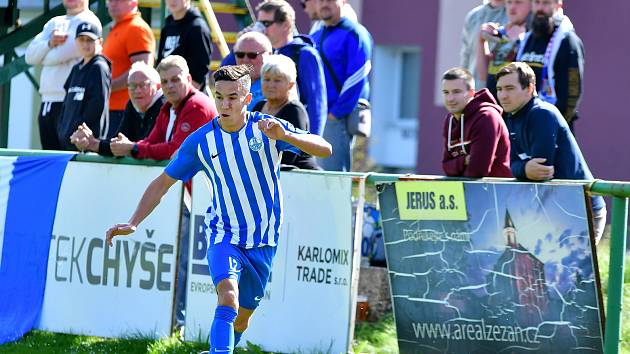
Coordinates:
x,y
278,76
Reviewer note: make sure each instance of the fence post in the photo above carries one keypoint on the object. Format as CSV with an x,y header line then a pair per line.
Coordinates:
x,y
619,231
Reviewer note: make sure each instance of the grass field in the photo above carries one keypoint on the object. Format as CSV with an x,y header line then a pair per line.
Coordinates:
x,y
378,337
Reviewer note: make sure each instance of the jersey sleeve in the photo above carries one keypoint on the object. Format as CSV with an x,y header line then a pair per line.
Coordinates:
x,y
186,162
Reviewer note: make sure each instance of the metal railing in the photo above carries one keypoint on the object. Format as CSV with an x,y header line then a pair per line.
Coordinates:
x,y
619,191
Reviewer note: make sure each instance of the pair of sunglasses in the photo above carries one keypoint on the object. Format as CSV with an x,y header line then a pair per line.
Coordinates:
x,y
267,23
250,55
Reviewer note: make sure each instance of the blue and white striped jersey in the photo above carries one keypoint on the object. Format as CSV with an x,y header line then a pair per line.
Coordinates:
x,y
242,169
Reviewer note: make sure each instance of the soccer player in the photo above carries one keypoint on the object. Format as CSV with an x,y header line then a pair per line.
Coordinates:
x,y
240,154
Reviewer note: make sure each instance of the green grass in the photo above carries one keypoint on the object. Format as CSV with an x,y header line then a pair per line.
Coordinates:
x,y
377,337
603,251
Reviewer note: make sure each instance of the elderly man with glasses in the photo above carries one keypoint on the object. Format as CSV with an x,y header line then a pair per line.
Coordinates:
x,y
251,49
146,99
185,110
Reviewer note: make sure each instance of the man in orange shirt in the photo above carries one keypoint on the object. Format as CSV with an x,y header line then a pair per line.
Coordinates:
x,y
129,40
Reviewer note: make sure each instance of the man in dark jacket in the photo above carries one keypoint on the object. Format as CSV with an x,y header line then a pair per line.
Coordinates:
x,y
556,54
278,17
476,141
542,146
146,99
187,34
87,89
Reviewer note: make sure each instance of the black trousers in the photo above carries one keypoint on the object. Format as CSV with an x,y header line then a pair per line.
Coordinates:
x,y
49,115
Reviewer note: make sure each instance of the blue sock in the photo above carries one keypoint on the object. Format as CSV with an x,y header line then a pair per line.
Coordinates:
x,y
237,337
222,330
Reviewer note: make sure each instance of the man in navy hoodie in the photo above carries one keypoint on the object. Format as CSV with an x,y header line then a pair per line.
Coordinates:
x,y
87,89
278,17
542,146
476,142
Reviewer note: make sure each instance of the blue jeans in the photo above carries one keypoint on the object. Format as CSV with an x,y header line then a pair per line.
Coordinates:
x,y
336,133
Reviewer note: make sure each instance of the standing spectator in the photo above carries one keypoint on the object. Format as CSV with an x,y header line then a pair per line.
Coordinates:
x,y
489,11
504,39
278,17
141,112
252,48
54,48
87,88
130,40
542,146
310,7
185,111
556,53
187,34
476,141
346,49
278,76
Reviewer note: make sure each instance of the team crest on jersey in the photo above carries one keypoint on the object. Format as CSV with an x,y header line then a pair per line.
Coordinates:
x,y
255,143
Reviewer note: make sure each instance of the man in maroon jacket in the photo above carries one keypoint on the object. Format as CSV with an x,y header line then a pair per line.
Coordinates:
x,y
184,112
476,140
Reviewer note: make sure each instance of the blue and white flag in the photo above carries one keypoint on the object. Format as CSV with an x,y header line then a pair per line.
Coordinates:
x,y
29,189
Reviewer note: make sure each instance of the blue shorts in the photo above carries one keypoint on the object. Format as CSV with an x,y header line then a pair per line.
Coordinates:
x,y
250,267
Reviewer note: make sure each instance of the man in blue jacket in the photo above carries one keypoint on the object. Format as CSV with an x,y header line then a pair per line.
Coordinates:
x,y
346,49
278,17
542,146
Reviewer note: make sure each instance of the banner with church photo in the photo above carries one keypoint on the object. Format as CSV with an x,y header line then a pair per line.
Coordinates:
x,y
491,267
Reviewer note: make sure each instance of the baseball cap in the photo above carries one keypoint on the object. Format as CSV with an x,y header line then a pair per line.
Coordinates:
x,y
89,29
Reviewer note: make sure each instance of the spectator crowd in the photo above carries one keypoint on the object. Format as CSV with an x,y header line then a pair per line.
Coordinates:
x,y
512,104
104,95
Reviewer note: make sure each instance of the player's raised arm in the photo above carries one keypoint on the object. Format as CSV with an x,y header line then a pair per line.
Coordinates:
x,y
151,198
311,144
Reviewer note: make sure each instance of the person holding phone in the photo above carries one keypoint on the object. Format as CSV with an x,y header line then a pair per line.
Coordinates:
x,y
56,51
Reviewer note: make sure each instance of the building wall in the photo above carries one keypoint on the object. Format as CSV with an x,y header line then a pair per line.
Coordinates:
x,y
602,130
412,23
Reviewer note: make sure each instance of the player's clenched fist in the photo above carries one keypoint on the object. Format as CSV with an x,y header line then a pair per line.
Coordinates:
x,y
118,230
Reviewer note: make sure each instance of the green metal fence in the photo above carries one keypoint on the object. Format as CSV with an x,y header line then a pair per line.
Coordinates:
x,y
619,191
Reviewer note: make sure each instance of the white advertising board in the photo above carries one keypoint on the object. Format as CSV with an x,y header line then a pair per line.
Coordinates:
x,y
114,291
307,303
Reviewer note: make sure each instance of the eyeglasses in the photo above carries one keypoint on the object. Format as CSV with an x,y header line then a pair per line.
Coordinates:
x,y
267,23
132,86
250,55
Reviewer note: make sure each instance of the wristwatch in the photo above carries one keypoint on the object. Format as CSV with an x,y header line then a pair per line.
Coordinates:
x,y
134,150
